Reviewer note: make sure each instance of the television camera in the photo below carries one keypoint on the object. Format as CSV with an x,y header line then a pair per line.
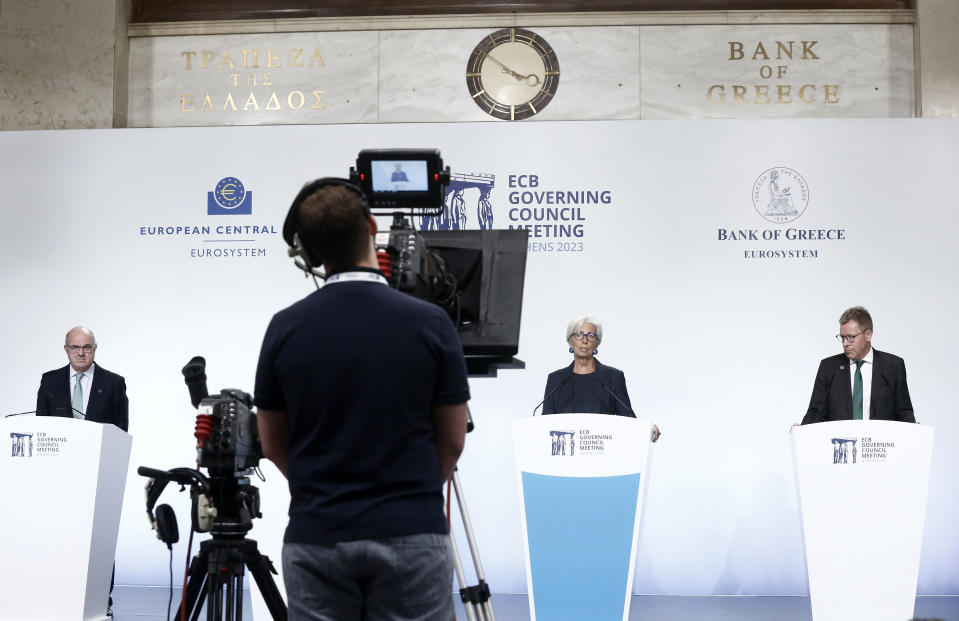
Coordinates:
x,y
223,503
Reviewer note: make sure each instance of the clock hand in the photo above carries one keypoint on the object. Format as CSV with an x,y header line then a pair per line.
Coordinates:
x,y
518,76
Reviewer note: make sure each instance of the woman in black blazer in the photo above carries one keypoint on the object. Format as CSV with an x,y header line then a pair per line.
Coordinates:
x,y
587,385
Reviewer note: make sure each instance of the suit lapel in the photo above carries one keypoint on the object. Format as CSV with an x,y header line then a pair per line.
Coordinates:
x,y
845,388
876,378
61,391
95,403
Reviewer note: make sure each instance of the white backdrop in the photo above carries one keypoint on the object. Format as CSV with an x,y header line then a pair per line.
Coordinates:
x,y
719,349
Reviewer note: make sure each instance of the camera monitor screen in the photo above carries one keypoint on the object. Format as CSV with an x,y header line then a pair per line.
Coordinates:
x,y
399,175
401,179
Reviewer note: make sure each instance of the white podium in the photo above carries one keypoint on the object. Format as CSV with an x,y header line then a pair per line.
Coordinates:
x,y
62,483
862,491
582,483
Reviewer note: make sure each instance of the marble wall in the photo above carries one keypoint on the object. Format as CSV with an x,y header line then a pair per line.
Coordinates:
x,y
76,64
57,64
606,72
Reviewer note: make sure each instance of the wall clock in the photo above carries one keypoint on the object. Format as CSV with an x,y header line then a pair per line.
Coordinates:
x,y
512,74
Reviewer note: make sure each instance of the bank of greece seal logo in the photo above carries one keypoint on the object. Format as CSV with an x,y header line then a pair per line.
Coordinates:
x,y
468,193
21,444
229,197
780,195
564,443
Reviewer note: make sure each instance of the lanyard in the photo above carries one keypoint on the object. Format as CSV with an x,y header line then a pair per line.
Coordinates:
x,y
354,276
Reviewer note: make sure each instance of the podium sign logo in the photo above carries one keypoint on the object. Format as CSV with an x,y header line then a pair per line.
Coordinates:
x,y
844,450
564,443
569,442
863,450
21,444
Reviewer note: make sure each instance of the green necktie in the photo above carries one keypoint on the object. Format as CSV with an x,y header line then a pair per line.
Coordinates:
x,y
857,393
78,398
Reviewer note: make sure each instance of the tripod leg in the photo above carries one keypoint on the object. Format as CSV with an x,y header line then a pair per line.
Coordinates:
x,y
485,606
197,578
225,581
212,597
234,595
260,568
461,580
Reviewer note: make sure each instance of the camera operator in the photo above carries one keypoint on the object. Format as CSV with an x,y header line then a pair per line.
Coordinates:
x,y
361,393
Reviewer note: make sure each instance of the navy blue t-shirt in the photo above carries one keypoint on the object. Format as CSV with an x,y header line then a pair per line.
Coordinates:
x,y
359,366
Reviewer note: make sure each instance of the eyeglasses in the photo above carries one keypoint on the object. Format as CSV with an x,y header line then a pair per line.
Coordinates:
x,y
848,338
591,337
76,349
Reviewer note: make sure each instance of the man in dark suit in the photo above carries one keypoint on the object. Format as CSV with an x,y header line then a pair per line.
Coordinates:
x,y
861,382
83,389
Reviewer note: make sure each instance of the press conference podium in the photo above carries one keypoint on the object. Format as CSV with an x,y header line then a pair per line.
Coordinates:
x,y
582,480
62,483
862,491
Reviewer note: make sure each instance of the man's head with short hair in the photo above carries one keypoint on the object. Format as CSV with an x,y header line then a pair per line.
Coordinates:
x,y
81,348
858,314
333,227
855,332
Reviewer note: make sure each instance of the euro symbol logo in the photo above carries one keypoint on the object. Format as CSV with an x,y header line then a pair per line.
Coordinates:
x,y
229,192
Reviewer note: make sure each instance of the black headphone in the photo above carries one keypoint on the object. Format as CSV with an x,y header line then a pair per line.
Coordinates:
x,y
164,522
166,526
303,258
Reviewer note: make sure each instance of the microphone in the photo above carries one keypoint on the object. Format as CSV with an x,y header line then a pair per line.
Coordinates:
x,y
44,412
24,413
613,395
550,394
57,406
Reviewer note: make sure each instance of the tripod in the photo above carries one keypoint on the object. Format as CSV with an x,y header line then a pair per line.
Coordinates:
x,y
218,570
476,599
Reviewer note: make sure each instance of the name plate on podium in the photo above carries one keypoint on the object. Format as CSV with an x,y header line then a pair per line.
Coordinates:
x,y
862,492
582,483
63,481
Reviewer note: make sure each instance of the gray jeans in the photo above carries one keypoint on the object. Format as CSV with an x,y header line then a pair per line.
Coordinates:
x,y
393,579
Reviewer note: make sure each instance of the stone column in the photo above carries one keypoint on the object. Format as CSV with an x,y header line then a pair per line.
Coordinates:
x,y
59,62
937,27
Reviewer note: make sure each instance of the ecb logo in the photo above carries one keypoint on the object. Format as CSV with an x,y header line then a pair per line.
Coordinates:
x,y
21,444
780,195
564,443
229,198
468,195
844,450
